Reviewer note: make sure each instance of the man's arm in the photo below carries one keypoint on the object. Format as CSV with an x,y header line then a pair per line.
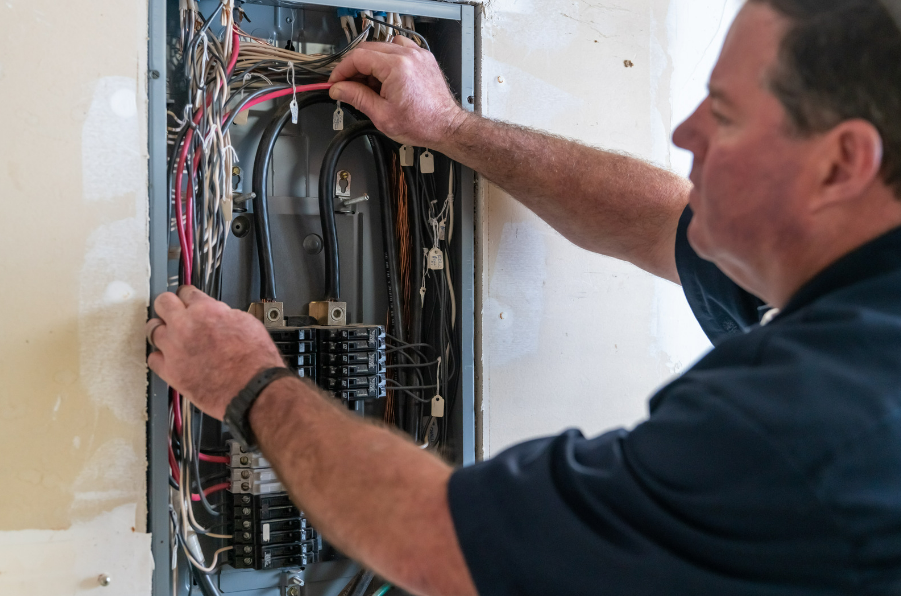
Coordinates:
x,y
377,497
374,495
601,201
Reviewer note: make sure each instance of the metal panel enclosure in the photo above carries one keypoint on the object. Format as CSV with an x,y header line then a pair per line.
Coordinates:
x,y
294,216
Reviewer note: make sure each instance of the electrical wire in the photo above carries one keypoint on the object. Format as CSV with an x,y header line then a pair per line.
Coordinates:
x,y
408,32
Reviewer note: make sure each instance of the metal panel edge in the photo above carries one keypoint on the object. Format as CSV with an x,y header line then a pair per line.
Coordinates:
x,y
419,8
157,405
467,43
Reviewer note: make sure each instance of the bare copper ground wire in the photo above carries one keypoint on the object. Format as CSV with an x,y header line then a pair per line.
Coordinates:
x,y
399,196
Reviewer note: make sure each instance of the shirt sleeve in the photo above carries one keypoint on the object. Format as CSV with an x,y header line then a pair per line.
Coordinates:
x,y
679,505
719,304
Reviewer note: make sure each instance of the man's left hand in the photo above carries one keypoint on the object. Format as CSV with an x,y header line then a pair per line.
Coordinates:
x,y
206,350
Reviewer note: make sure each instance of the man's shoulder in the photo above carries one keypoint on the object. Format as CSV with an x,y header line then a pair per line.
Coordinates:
x,y
814,380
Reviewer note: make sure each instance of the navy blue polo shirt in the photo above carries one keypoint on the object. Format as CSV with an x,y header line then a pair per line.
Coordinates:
x,y
772,467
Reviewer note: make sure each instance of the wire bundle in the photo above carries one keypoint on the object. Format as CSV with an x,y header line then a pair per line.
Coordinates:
x,y
200,168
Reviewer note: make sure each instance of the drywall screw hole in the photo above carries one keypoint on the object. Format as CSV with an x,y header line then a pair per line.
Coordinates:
x,y
500,79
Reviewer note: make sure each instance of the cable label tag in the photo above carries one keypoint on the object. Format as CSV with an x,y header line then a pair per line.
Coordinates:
x,y
338,118
406,156
427,162
294,111
436,259
438,406
442,230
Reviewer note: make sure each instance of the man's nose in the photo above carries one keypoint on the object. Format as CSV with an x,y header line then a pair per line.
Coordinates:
x,y
688,135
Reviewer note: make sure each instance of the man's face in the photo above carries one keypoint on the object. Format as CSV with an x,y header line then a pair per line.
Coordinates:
x,y
750,175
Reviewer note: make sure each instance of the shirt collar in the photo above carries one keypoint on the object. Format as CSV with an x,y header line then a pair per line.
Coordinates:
x,y
877,257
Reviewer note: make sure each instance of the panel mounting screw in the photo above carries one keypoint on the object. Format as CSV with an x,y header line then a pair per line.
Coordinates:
x,y
470,99
154,74
104,580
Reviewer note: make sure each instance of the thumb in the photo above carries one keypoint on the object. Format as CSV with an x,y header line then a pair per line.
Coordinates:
x,y
359,96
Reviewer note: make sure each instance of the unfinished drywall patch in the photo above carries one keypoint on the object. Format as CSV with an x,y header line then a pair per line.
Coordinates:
x,y
112,316
34,562
100,482
516,297
110,141
614,74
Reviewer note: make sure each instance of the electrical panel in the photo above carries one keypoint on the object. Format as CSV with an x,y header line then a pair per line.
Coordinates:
x,y
355,253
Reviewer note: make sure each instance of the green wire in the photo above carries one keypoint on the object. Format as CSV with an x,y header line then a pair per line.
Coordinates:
x,y
383,590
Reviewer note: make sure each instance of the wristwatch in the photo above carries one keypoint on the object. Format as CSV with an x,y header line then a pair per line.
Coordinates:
x,y
237,413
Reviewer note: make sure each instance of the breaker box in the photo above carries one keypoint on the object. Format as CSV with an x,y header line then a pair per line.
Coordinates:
x,y
349,249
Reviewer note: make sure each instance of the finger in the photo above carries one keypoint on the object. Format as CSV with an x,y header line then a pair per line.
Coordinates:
x,y
358,95
154,330
362,62
380,46
157,363
167,305
190,295
405,42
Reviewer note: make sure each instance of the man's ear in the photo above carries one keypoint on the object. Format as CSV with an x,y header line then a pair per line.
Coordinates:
x,y
849,162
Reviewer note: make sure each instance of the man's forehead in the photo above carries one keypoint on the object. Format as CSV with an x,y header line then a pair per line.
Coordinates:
x,y
750,48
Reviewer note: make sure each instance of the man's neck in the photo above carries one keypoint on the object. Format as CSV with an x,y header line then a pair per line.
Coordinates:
x,y
830,242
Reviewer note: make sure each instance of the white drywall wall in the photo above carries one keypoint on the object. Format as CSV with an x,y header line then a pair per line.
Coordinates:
x,y
570,338
73,297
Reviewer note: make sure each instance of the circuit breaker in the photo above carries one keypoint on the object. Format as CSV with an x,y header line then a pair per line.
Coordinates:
x,y
355,253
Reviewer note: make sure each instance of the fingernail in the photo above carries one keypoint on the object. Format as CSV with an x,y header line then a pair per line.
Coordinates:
x,y
334,93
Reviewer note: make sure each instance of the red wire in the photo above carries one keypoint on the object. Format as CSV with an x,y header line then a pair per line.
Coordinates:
x,y
213,489
176,411
173,465
284,92
214,459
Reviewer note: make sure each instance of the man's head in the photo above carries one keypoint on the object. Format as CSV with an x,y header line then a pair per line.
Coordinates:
x,y
798,147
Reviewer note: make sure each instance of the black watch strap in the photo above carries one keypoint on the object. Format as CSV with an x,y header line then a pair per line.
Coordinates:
x,y
238,410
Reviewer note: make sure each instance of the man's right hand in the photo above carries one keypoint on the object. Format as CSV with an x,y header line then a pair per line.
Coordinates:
x,y
402,89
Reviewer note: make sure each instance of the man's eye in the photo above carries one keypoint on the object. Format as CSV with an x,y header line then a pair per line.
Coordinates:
x,y
720,119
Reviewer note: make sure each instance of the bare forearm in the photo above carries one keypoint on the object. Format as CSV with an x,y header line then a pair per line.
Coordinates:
x,y
375,496
601,201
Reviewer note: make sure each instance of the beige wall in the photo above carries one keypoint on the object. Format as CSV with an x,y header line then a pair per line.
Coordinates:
x,y
73,296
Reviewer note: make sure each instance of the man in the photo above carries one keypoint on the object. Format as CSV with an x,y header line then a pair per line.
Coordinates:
x,y
772,467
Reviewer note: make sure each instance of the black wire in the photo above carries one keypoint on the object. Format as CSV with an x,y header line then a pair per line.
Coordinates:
x,y
327,202
414,412
258,93
402,30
